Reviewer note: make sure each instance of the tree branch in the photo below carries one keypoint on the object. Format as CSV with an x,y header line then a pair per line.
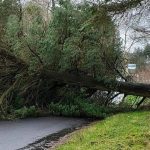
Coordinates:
x,y
121,6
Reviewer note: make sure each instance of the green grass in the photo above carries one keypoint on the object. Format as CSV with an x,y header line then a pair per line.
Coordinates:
x,y
128,131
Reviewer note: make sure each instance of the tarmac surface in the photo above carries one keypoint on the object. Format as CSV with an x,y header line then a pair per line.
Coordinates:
x,y
20,133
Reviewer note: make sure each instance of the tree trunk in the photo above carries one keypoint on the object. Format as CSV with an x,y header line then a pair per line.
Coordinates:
x,y
128,88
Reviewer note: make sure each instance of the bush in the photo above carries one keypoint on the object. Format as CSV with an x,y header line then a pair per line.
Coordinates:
x,y
25,112
130,100
78,107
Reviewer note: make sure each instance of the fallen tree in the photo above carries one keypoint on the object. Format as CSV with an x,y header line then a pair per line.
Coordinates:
x,y
60,78
129,88
31,68
38,87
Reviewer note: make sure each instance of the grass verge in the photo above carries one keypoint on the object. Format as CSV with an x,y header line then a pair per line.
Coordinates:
x,y
126,131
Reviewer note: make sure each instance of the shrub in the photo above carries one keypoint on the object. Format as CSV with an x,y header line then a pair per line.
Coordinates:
x,y
78,107
130,100
25,112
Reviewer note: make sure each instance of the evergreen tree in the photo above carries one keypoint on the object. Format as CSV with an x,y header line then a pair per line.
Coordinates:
x,y
7,8
146,51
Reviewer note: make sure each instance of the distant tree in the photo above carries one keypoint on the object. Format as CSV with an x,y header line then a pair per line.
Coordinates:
x,y
138,58
146,51
140,55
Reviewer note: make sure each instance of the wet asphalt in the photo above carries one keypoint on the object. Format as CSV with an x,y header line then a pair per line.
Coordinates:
x,y
20,133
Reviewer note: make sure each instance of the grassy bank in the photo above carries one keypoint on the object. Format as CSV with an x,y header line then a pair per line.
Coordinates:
x,y
129,131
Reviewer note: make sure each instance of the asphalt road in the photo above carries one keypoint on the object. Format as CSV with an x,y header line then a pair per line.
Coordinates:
x,y
17,134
